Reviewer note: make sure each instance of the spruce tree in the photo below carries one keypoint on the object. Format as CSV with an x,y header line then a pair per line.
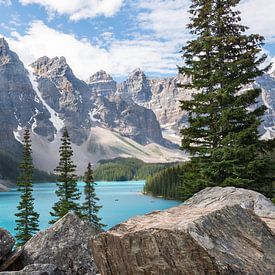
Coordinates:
x,y
90,208
67,191
222,137
27,222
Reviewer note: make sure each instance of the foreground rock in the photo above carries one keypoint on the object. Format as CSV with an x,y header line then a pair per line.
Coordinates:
x,y
218,197
66,245
35,269
189,239
6,244
12,262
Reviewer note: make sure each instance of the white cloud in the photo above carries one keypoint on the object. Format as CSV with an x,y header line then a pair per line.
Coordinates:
x,y
79,9
259,16
5,2
85,58
168,18
156,44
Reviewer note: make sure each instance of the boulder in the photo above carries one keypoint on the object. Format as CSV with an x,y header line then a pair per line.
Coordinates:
x,y
35,269
13,261
218,197
189,239
6,244
67,245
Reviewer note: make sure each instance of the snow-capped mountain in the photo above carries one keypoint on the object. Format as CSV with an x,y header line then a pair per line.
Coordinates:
x,y
139,117
47,96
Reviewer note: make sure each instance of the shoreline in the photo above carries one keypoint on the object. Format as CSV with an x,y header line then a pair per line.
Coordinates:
x,y
160,197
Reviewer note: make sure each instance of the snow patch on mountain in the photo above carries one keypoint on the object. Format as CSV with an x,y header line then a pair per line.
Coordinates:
x,y
16,133
56,121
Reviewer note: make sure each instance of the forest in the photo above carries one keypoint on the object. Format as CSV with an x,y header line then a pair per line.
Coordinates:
x,y
124,169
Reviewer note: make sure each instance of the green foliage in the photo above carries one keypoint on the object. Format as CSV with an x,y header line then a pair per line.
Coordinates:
x,y
27,223
165,183
67,191
9,170
222,135
90,208
123,169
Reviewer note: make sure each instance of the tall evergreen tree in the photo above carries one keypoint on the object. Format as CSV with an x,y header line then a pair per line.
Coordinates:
x,y
90,208
27,222
222,62
67,191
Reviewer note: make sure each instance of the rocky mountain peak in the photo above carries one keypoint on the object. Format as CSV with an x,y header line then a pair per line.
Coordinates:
x,y
5,54
137,86
137,74
100,76
45,66
4,46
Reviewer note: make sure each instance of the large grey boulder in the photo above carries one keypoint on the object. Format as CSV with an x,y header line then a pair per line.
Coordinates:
x,y
67,245
6,244
189,239
217,197
36,269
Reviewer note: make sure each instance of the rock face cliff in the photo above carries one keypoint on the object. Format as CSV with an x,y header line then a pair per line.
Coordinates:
x,y
64,248
47,96
6,244
80,106
19,105
215,232
66,245
102,84
163,96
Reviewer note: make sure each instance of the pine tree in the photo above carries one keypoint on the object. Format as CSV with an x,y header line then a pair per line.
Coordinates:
x,y
222,62
27,222
90,208
67,191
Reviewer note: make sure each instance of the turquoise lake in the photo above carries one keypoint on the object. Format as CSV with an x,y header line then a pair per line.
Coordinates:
x,y
120,201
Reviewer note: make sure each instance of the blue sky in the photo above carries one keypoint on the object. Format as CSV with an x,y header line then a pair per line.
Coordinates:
x,y
114,35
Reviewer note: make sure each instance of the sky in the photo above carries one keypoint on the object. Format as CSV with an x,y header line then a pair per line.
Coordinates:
x,y
117,36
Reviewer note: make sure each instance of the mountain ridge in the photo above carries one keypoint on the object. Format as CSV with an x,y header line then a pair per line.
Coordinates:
x,y
136,113
47,96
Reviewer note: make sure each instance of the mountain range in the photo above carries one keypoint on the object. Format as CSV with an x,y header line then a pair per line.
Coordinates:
x,y
140,117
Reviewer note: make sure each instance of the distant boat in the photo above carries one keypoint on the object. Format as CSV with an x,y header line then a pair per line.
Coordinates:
x,y
116,199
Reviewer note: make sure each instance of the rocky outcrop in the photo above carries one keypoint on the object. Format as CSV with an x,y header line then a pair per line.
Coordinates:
x,y
12,261
102,84
201,236
136,87
129,119
66,245
218,197
6,244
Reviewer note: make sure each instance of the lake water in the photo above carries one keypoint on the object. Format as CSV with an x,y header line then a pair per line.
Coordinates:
x,y
120,200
